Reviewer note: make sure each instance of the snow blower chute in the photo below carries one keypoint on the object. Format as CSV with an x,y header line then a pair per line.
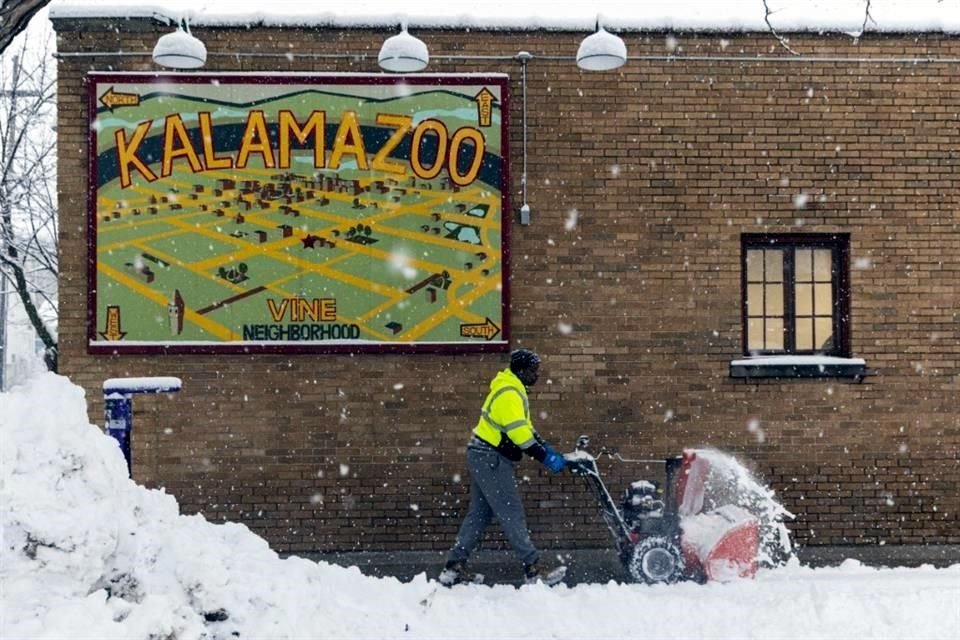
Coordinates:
x,y
691,531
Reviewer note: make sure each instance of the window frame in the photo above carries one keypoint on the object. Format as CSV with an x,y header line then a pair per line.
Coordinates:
x,y
839,245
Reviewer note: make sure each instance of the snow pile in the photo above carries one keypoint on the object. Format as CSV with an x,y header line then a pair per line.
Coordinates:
x,y
86,553
85,548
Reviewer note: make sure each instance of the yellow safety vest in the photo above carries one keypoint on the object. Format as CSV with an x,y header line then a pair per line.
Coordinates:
x,y
506,411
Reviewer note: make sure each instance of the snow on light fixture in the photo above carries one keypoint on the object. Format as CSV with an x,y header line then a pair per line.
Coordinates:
x,y
403,53
180,49
601,51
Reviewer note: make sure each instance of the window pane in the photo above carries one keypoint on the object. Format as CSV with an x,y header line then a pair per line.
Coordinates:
x,y
803,265
793,293
774,334
774,300
823,264
824,328
754,300
804,300
824,301
804,334
754,266
755,334
774,265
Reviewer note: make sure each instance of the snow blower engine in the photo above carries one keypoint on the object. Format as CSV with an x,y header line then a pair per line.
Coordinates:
x,y
666,537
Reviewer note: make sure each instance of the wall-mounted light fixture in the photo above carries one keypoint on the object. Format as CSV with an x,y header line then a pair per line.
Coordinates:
x,y
403,53
180,49
601,51
523,57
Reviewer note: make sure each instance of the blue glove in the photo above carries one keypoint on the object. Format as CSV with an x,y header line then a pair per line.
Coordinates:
x,y
553,460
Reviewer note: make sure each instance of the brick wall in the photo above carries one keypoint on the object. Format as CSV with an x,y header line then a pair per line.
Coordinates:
x,y
666,163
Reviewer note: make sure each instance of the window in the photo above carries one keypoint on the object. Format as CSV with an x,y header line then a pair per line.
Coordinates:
x,y
796,302
795,295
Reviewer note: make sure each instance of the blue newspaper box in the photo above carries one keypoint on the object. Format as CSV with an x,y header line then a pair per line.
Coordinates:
x,y
118,406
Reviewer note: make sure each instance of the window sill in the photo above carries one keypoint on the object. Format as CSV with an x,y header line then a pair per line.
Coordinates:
x,y
798,367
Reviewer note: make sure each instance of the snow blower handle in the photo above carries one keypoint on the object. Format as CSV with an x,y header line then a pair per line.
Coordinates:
x,y
579,462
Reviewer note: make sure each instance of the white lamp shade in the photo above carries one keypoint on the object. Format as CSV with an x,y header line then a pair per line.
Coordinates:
x,y
601,51
403,53
180,50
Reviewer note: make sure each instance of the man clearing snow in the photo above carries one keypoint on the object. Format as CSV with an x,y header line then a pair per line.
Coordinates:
x,y
501,437
87,553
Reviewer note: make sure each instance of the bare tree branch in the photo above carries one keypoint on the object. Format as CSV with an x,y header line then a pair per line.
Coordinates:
x,y
767,12
28,205
14,17
22,289
866,18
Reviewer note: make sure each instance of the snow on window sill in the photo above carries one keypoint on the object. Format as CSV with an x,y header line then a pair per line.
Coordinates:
x,y
813,366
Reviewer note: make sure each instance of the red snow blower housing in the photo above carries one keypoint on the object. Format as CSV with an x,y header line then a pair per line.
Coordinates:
x,y
673,538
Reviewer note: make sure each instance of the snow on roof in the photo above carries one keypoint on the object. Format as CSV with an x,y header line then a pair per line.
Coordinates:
x,y
847,16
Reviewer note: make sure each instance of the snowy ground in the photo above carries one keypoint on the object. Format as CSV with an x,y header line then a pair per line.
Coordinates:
x,y
86,553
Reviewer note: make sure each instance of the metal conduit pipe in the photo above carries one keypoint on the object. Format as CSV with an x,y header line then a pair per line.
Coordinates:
x,y
524,57
640,58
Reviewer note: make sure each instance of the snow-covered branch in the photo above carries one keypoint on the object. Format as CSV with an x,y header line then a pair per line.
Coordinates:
x,y
768,13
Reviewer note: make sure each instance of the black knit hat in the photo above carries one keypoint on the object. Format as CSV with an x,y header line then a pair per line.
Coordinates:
x,y
525,363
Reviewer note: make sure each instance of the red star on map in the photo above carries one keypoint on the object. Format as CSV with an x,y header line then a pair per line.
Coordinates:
x,y
309,240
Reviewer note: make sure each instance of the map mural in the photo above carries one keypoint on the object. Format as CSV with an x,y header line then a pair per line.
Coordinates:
x,y
238,213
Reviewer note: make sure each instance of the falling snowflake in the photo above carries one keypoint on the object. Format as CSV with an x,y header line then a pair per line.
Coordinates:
x,y
400,262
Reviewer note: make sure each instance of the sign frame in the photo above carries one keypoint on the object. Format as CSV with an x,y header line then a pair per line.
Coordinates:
x,y
97,82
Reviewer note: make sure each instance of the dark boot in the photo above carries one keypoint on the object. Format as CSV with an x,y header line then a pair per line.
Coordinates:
x,y
455,572
537,572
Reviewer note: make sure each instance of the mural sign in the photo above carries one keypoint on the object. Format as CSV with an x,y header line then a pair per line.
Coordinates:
x,y
238,213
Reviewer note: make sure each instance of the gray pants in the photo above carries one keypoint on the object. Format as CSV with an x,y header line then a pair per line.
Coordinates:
x,y
493,492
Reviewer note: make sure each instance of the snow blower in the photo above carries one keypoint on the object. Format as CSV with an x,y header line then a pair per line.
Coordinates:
x,y
671,536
